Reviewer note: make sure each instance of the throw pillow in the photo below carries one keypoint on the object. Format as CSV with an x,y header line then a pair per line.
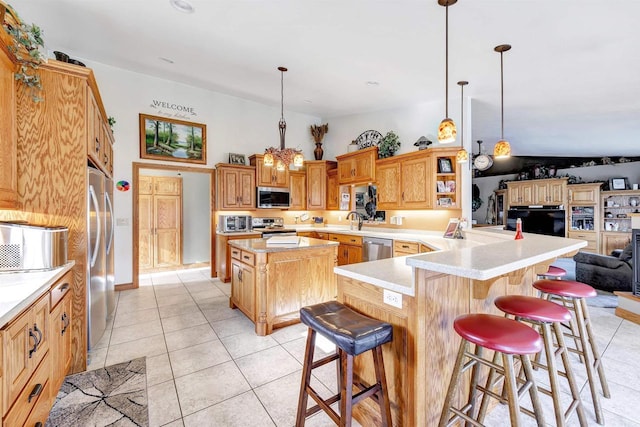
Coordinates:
x,y
627,253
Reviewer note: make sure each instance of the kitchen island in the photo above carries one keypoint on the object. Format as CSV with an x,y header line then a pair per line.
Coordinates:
x,y
421,295
271,282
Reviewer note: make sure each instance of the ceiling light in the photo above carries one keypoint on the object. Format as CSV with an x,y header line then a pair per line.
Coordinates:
x,y
447,129
182,5
282,157
462,156
373,83
167,60
503,148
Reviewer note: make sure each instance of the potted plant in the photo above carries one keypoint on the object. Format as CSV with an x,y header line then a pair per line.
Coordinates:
x,y
26,44
389,144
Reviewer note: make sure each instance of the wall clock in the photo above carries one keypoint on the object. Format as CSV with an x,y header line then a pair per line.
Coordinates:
x,y
482,161
368,138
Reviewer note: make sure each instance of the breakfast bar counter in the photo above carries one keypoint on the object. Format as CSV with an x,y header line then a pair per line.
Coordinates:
x,y
270,281
422,299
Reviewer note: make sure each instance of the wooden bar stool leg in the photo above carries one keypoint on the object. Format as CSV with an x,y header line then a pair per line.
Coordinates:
x,y
346,391
575,393
549,352
383,399
511,389
588,364
492,378
306,378
594,348
533,390
455,379
475,377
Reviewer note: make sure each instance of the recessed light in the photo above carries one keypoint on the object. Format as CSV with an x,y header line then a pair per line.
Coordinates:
x,y
308,101
167,60
372,83
182,5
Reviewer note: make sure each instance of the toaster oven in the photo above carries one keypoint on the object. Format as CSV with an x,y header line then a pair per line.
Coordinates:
x,y
27,247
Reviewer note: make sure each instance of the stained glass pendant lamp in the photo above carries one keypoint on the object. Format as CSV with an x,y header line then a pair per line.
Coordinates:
x,y
502,149
282,157
447,129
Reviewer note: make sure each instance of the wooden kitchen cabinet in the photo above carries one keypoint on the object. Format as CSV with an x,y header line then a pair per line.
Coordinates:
x,y
236,187
358,167
520,193
614,240
298,190
333,190
446,188
268,176
224,252
584,194
350,249
404,181
550,191
243,282
583,213
8,137
317,183
61,315
402,248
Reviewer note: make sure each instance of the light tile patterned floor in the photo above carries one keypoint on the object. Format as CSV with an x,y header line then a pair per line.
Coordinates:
x,y
206,366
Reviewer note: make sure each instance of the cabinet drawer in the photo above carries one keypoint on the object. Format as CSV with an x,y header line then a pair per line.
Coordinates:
x,y
35,392
323,236
406,248
590,237
346,239
248,258
60,289
235,253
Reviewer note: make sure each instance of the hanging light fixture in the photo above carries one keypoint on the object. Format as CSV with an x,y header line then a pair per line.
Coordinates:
x,y
282,157
447,129
503,148
462,156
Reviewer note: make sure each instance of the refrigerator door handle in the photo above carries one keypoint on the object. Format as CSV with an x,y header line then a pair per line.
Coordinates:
x,y
96,206
110,241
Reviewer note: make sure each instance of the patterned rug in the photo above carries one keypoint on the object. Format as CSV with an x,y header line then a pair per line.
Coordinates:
x,y
111,396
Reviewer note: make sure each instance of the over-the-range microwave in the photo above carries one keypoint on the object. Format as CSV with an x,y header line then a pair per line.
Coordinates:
x,y
272,197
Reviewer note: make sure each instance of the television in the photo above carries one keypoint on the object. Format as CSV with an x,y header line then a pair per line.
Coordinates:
x,y
550,222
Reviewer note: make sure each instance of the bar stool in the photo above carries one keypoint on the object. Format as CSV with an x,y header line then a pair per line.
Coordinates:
x,y
573,296
547,315
507,338
554,272
353,334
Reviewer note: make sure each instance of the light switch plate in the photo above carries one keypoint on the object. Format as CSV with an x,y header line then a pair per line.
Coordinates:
x,y
392,298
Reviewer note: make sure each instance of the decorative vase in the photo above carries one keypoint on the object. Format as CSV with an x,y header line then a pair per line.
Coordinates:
x,y
318,152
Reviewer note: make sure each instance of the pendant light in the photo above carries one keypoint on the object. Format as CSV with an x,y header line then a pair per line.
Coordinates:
x,y
462,156
503,148
282,157
447,129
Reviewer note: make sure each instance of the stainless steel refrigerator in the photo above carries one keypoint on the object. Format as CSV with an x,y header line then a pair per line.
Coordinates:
x,y
100,231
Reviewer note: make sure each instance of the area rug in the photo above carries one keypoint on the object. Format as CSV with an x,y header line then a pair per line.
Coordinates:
x,y
604,299
112,396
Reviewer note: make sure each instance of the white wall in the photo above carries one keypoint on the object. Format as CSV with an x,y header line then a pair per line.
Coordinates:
x,y
629,170
233,125
196,222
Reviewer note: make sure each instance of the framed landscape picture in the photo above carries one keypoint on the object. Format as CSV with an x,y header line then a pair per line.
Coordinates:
x,y
174,140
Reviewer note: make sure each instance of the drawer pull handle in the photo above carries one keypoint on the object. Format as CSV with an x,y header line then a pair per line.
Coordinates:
x,y
64,287
65,323
38,424
39,332
405,246
37,389
246,257
35,343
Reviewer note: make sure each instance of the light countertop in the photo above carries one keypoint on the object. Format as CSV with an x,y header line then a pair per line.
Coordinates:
x,y
19,290
262,245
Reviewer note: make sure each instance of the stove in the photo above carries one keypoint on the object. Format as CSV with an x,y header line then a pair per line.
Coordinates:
x,y
270,226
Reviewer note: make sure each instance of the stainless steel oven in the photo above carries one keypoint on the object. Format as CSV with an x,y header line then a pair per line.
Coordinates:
x,y
271,227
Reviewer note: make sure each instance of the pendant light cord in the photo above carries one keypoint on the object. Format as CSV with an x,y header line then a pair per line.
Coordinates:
x,y
501,97
281,95
446,62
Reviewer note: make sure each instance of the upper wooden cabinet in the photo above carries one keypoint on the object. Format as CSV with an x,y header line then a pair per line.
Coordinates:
x,y
357,167
8,137
584,194
446,188
298,190
236,187
268,176
537,192
404,181
317,173
333,190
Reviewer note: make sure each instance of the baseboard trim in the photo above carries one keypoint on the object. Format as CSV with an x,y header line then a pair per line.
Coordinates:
x,y
124,287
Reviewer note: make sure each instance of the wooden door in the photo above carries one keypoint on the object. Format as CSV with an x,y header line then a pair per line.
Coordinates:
x,y
416,184
247,189
298,189
16,344
388,180
316,186
41,326
354,254
168,230
229,179
145,231
364,166
588,194
345,171
557,192
60,341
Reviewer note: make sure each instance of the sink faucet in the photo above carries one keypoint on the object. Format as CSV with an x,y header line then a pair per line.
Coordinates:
x,y
351,215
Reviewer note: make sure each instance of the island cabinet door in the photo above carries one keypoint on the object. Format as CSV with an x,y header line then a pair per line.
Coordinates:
x,y
243,288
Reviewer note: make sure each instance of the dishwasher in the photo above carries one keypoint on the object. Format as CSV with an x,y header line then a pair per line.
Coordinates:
x,y
374,248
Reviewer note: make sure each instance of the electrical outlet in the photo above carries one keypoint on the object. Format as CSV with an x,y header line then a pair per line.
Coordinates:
x,y
339,218
392,298
122,221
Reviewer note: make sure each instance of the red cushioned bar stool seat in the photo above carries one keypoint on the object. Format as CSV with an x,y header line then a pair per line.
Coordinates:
x,y
554,272
549,317
508,338
573,296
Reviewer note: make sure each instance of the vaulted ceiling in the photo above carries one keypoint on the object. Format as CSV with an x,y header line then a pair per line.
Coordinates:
x,y
572,78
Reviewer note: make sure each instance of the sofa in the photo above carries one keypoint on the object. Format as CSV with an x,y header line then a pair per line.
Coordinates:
x,y
606,272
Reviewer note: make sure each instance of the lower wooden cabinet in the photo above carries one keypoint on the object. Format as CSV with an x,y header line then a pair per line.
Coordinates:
x,y
243,282
36,356
350,249
590,236
402,248
613,240
223,253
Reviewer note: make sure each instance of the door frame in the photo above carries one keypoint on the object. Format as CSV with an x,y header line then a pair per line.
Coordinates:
x,y
137,166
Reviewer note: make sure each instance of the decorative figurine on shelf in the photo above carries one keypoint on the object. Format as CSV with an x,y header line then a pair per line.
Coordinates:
x,y
318,133
519,229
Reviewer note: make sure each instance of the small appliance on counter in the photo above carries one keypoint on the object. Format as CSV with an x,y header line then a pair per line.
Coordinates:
x,y
31,247
271,226
234,223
